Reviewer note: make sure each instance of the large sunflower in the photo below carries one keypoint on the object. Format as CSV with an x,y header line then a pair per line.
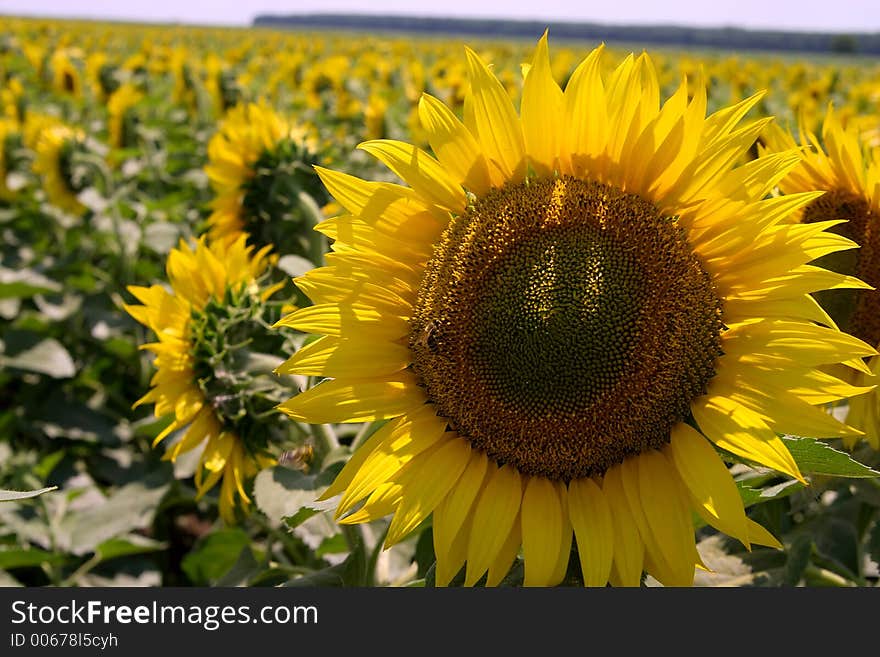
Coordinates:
x,y
560,315
258,164
849,173
211,285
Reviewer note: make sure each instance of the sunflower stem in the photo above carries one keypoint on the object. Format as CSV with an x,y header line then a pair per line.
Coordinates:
x,y
325,440
825,577
357,543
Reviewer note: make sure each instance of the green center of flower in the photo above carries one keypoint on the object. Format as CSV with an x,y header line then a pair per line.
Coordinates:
x,y
230,341
75,173
273,202
563,325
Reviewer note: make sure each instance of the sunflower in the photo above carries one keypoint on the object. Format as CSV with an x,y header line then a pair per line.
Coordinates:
x,y
66,78
119,107
55,145
850,176
559,316
8,129
258,164
215,289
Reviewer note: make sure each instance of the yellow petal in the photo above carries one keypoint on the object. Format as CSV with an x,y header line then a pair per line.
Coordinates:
x,y
426,482
741,431
760,536
542,111
356,401
454,145
341,320
494,514
542,528
629,550
457,507
591,519
500,566
351,358
708,481
586,114
354,463
498,127
402,440
420,171
668,516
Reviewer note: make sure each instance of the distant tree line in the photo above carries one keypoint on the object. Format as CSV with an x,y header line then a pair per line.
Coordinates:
x,y
726,37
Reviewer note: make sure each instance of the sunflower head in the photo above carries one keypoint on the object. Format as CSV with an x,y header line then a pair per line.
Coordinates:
x,y
842,164
261,168
560,314
63,175
66,77
9,139
214,375
122,122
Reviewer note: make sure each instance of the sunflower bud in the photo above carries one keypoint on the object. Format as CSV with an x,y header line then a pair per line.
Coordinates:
x,y
214,375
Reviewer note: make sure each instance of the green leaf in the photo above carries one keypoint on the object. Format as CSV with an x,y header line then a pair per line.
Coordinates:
x,y
131,507
294,265
351,572
126,546
26,557
215,555
23,283
14,495
751,496
281,492
819,458
873,543
46,357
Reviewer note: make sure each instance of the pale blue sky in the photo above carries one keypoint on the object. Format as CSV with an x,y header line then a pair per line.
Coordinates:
x,y
840,15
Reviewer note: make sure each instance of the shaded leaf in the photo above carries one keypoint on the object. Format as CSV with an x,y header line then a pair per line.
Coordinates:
x,y
13,495
798,560
281,492
215,555
131,507
23,283
46,357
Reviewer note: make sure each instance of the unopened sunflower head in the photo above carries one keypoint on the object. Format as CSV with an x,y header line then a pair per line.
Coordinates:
x,y
261,169
843,165
560,314
214,374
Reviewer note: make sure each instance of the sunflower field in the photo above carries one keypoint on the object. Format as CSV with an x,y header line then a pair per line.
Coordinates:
x,y
302,309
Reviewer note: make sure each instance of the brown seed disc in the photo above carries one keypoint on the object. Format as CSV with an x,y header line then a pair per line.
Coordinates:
x,y
563,325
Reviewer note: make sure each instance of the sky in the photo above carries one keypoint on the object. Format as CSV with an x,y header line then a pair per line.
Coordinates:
x,y
837,16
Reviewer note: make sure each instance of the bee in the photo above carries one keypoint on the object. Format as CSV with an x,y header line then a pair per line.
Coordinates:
x,y
428,338
298,459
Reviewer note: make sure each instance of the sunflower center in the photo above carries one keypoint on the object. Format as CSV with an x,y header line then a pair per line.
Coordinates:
x,y
855,311
229,339
272,205
563,325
